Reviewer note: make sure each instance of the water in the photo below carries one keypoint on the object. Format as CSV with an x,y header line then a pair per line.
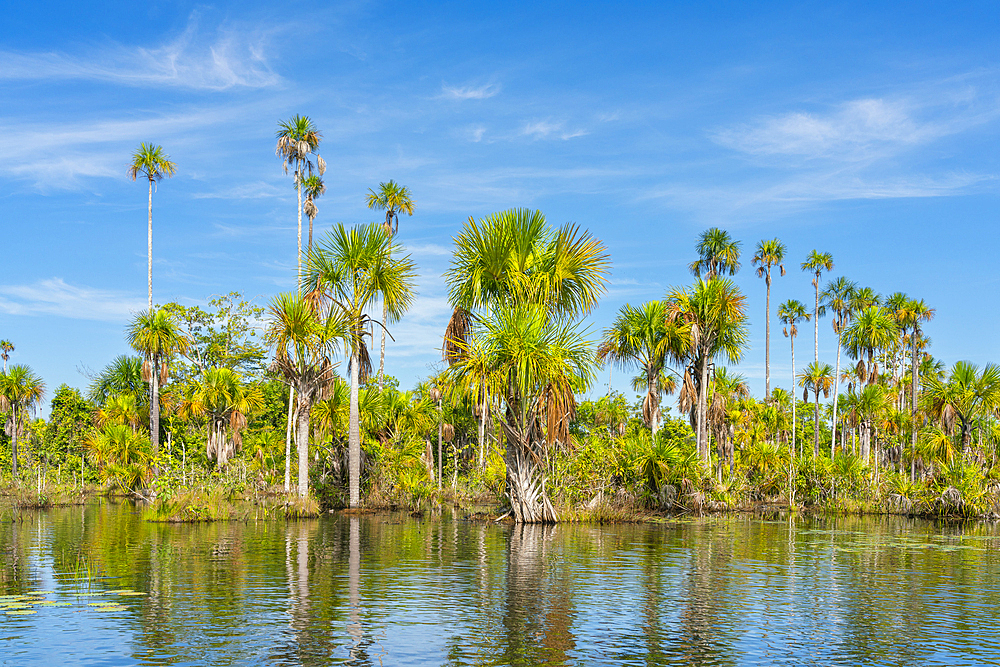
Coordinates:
x,y
395,590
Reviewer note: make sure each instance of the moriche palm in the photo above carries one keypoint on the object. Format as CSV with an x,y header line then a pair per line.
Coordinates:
x,y
153,163
769,254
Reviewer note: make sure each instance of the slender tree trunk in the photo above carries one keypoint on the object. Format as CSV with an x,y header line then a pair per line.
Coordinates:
x,y
654,403
440,460
381,356
288,440
298,189
310,247
154,408
149,247
767,338
13,440
354,437
792,449
816,318
914,371
836,395
702,412
482,434
816,428
302,446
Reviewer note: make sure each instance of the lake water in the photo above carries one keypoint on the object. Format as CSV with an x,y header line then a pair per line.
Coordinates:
x,y
103,587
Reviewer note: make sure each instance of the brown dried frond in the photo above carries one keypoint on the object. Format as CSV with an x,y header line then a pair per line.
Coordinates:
x,y
447,432
147,373
455,335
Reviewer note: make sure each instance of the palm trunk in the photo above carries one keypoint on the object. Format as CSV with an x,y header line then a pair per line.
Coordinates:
x,y
149,247
440,462
836,395
381,356
482,435
816,320
816,428
702,412
654,404
525,482
354,438
288,440
913,406
767,338
298,189
13,440
302,446
154,408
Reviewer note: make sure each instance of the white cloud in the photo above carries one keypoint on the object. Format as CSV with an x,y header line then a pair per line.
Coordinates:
x,y
57,297
856,130
470,93
545,129
257,190
230,58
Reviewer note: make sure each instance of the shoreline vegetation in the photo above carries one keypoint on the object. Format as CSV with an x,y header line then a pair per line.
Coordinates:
x,y
244,411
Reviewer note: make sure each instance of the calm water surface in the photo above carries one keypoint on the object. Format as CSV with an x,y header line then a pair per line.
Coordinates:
x,y
394,590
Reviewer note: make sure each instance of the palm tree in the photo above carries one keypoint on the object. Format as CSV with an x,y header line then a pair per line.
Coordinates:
x,y
817,378
228,402
153,163
20,389
512,272
966,396
394,199
347,272
314,187
298,138
304,341
723,412
917,312
718,254
816,263
475,377
6,347
769,254
639,336
837,297
870,406
710,318
873,329
790,314
156,336
123,376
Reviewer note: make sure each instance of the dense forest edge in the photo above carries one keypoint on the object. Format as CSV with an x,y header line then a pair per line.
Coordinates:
x,y
239,410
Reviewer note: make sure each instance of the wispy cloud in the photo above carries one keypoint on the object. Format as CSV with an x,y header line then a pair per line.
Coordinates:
x,y
54,296
469,92
257,190
226,59
545,129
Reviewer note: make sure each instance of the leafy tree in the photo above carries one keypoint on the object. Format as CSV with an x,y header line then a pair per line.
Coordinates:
x,y
157,337
228,403
711,321
21,389
346,273
817,378
769,254
70,416
123,376
718,254
153,163
816,263
872,330
967,395
298,139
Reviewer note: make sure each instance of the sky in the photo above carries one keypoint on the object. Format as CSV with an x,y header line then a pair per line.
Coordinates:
x,y
867,130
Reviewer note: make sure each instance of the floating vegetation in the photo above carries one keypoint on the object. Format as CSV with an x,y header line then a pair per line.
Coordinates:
x,y
28,604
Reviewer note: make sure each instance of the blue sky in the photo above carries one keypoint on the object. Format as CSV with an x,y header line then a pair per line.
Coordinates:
x,y
866,130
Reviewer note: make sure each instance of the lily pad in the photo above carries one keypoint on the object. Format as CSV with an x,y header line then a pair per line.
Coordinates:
x,y
21,612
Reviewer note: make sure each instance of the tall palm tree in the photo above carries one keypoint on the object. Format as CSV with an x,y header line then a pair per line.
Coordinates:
x,y
837,297
816,263
513,273
718,254
711,318
769,254
347,272
6,347
873,329
917,313
157,336
394,199
298,138
790,314
817,378
304,341
639,336
20,389
314,187
153,163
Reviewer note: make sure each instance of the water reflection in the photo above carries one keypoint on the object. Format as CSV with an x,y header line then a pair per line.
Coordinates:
x,y
383,590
